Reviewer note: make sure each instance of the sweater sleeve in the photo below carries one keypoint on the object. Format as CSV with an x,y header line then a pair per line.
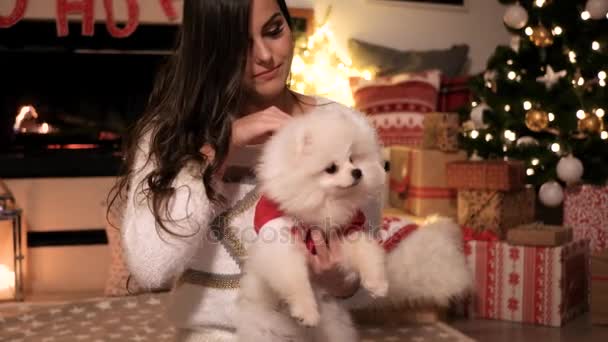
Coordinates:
x,y
153,256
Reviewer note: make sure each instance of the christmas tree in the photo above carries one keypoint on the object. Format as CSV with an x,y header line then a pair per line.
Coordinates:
x,y
542,99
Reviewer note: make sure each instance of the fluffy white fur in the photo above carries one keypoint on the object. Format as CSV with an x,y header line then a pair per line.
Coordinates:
x,y
429,266
320,169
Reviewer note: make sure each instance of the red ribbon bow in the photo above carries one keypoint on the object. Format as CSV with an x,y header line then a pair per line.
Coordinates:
x,y
469,234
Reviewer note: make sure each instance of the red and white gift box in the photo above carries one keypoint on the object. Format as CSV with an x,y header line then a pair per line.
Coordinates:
x,y
538,285
586,211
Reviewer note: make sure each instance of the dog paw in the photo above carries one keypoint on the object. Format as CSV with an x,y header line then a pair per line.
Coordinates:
x,y
306,315
378,287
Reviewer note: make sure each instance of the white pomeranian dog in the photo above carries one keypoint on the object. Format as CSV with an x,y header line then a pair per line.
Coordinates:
x,y
318,172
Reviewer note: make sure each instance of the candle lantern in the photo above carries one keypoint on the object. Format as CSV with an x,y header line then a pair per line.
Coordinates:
x,y
11,254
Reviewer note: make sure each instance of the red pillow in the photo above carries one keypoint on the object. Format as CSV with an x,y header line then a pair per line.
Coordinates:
x,y
454,93
396,104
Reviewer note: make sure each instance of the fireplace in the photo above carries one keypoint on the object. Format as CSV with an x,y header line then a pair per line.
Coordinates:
x,y
67,102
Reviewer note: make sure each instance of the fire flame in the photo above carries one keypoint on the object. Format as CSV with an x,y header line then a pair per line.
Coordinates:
x,y
44,128
26,122
23,114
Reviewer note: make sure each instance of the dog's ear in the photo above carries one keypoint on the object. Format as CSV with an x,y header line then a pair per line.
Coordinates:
x,y
303,142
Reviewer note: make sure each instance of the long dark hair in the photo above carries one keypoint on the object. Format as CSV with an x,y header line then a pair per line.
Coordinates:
x,y
193,103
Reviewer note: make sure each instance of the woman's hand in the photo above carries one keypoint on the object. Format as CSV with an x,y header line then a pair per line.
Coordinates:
x,y
252,129
256,128
326,269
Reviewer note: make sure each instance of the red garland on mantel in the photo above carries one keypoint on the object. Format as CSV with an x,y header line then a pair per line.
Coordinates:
x,y
87,8
132,23
65,7
169,10
16,15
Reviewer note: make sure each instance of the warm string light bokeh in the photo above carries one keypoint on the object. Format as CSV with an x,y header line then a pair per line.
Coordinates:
x,y
318,68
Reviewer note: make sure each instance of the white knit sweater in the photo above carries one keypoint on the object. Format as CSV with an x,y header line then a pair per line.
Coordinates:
x,y
156,258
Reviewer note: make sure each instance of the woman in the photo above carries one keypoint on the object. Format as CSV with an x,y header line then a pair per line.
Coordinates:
x,y
223,94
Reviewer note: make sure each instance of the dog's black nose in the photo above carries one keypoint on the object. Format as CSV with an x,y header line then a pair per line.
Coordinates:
x,y
356,173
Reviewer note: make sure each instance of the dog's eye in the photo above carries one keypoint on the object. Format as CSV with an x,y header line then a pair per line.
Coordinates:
x,y
333,168
351,159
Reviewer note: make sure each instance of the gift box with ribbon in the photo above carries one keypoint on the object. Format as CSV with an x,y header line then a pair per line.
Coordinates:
x,y
538,234
441,131
586,211
487,175
418,181
494,210
599,288
539,285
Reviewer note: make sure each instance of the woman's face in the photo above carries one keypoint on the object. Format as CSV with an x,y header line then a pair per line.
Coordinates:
x,y
270,51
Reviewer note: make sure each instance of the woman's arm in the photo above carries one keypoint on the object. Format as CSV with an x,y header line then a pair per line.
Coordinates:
x,y
154,256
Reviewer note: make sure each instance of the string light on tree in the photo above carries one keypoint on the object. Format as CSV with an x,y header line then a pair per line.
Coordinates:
x,y
540,3
604,135
555,147
474,134
557,31
527,105
510,135
581,81
580,114
551,117
541,37
585,15
529,31
572,56
600,112
535,161
595,46
530,171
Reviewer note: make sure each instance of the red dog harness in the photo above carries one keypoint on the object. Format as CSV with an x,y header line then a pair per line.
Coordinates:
x,y
267,210
396,229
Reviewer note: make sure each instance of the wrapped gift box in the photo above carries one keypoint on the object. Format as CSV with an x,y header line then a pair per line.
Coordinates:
x,y
539,285
586,211
494,210
487,175
599,288
538,234
418,181
440,131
